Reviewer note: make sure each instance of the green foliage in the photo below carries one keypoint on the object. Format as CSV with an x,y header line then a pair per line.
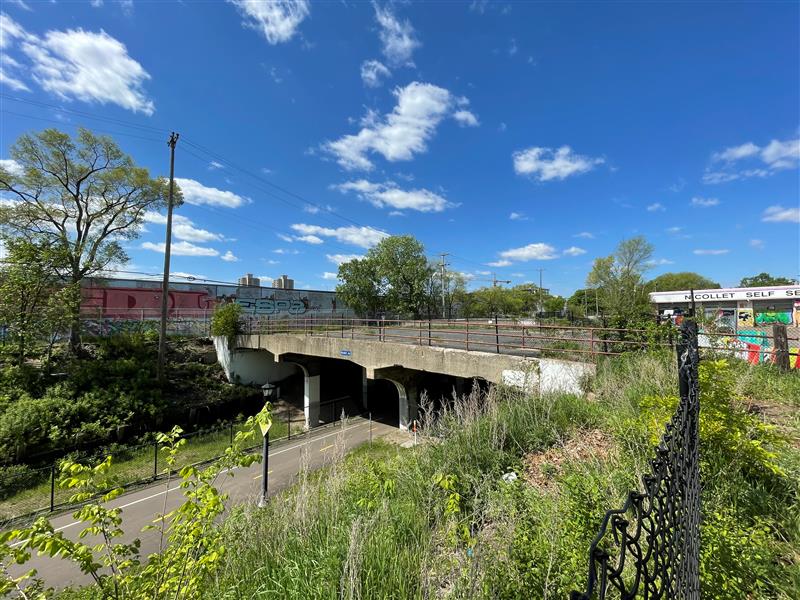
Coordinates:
x,y
191,541
764,279
685,280
619,280
226,321
393,276
58,201
14,478
733,439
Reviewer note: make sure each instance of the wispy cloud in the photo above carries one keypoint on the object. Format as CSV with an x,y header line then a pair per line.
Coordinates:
x,y
546,164
750,160
195,192
713,252
181,249
656,207
388,194
364,237
779,214
699,202
276,20
574,251
517,216
398,38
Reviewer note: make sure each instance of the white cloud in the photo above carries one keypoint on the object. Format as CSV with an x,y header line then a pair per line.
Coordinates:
x,y
181,249
87,66
9,65
484,273
397,213
499,263
10,165
364,237
545,163
277,20
329,275
660,261
757,244
196,193
338,259
399,135
309,239
285,238
314,209
779,214
373,72
229,257
711,252
517,216
397,37
656,206
736,152
389,195
763,161
185,275
21,3
537,251
588,235
183,228
285,251
214,165
674,229
465,118
699,202
574,251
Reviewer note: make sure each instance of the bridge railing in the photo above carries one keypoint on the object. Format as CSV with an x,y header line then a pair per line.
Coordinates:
x,y
478,335
513,337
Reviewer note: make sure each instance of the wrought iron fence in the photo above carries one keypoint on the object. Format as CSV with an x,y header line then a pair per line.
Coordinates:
x,y
649,548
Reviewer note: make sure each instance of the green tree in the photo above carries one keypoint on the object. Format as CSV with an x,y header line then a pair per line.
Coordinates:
x,y
764,279
82,196
393,276
685,280
34,303
585,302
619,280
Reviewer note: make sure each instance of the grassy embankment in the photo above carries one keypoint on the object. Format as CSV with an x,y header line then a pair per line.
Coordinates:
x,y
439,521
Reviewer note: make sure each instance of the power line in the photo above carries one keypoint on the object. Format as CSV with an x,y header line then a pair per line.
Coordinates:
x,y
40,118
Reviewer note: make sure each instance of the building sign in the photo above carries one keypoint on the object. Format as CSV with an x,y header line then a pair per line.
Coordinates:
x,y
346,352
727,295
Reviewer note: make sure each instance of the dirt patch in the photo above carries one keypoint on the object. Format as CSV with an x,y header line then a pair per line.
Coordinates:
x,y
542,468
784,417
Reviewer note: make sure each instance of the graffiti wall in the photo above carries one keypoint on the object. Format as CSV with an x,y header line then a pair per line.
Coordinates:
x,y
130,299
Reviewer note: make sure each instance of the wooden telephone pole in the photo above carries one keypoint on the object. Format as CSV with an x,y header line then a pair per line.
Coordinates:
x,y
162,332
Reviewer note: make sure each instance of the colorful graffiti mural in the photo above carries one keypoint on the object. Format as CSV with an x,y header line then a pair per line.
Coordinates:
x,y
141,299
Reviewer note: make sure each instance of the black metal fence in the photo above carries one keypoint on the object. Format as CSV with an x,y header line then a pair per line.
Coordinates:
x,y
650,547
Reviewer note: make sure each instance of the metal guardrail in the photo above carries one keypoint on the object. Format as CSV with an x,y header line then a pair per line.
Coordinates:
x,y
650,548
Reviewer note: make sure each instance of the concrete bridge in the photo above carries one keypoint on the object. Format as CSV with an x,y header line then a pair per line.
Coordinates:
x,y
387,373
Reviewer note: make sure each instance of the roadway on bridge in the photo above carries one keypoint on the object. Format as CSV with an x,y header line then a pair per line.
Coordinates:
x,y
141,507
481,338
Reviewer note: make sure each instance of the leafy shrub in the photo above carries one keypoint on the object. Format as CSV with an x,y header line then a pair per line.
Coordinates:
x,y
225,321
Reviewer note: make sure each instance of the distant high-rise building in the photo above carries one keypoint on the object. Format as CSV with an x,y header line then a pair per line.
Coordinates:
x,y
283,283
249,281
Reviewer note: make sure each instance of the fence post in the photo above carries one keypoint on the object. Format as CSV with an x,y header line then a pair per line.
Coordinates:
x,y
429,332
467,334
52,487
231,431
155,459
342,320
496,334
781,340
591,330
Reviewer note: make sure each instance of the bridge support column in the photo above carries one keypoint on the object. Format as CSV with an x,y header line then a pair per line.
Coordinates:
x,y
364,386
311,396
408,406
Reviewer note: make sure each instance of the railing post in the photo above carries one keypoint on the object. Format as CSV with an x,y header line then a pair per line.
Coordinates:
x,y
781,340
429,332
155,459
52,487
419,335
467,334
496,334
591,330
342,320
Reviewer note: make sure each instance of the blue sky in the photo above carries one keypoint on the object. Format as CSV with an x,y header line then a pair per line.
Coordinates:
x,y
514,136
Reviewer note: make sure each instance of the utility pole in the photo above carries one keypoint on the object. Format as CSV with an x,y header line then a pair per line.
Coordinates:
x,y
444,302
541,299
162,337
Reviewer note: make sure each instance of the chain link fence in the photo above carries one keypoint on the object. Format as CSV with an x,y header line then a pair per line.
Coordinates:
x,y
650,547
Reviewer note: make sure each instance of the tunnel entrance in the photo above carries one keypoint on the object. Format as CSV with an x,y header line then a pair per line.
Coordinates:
x,y
384,401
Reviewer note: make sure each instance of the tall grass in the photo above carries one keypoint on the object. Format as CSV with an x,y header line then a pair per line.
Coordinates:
x,y
439,521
